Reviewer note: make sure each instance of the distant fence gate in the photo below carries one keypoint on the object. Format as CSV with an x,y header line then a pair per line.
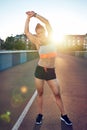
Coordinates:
x,y
11,58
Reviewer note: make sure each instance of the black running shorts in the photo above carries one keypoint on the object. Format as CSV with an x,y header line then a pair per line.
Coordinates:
x,y
45,73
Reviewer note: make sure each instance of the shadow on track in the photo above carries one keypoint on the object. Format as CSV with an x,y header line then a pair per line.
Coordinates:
x,y
65,127
36,127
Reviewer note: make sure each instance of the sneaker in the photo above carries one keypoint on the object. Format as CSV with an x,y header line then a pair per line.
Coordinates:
x,y
39,119
66,120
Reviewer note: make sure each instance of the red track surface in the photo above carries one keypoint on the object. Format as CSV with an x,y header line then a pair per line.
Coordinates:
x,y
72,76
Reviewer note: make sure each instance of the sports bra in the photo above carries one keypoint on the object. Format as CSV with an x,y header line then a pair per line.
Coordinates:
x,y
47,51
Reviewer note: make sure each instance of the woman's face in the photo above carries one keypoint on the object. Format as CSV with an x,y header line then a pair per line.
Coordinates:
x,y
40,33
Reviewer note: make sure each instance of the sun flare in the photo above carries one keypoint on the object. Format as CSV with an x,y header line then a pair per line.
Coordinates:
x,y
58,38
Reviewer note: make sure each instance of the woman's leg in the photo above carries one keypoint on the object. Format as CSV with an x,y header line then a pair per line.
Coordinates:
x,y
53,84
39,87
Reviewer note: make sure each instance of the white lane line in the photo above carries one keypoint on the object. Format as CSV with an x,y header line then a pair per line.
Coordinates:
x,y
23,114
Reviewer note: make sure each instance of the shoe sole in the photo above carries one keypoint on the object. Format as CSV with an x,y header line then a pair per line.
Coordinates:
x,y
37,123
65,121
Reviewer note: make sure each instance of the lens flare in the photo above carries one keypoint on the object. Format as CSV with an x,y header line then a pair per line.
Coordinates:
x,y
19,95
24,89
6,117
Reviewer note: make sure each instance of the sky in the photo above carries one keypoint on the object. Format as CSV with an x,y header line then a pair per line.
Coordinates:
x,y
65,16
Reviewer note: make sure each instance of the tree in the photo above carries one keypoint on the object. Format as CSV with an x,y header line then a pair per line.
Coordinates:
x,y
19,45
9,43
1,44
12,44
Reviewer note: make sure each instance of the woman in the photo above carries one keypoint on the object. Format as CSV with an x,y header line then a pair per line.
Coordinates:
x,y
45,70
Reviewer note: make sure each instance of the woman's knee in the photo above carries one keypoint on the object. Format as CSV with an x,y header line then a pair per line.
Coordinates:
x,y
40,93
57,95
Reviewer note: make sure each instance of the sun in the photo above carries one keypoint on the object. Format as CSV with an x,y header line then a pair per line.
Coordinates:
x,y
58,37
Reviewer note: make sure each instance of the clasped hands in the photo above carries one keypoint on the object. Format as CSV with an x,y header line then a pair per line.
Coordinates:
x,y
30,14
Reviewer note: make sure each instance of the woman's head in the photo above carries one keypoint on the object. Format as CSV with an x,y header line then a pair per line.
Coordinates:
x,y
40,30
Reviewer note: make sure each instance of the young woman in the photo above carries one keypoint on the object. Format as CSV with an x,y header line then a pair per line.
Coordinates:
x,y
45,70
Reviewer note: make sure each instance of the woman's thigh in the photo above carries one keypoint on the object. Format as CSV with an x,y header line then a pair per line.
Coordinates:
x,y
54,85
39,85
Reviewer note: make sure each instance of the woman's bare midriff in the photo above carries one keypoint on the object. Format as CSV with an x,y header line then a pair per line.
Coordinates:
x,y
47,62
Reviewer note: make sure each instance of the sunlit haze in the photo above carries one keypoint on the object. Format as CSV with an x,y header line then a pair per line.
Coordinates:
x,y
65,16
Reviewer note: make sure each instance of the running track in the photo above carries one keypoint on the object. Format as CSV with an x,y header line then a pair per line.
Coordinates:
x,y
72,76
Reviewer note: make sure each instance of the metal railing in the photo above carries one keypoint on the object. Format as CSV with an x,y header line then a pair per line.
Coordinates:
x,y
81,54
11,58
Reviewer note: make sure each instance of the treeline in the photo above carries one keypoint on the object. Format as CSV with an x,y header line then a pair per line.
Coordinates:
x,y
13,43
